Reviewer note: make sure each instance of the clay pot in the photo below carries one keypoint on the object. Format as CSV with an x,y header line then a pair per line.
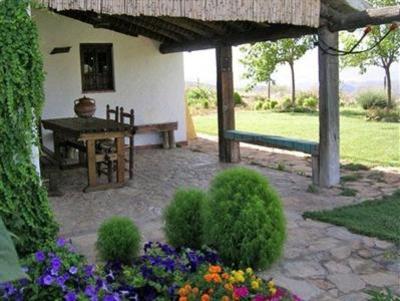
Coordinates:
x,y
85,107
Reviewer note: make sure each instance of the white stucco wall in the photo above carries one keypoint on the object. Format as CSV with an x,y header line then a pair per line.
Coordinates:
x,y
149,82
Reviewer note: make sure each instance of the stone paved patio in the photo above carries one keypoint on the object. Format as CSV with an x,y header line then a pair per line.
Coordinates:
x,y
321,261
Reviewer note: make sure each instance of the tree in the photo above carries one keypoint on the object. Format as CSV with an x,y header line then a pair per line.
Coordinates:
x,y
261,59
383,55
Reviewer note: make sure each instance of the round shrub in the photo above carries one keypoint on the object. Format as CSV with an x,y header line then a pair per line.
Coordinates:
x,y
237,98
372,99
184,218
118,240
245,221
311,102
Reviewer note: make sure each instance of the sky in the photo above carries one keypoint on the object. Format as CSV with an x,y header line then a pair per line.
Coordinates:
x,y
200,67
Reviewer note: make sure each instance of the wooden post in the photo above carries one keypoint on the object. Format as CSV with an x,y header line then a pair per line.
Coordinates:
x,y
329,164
228,150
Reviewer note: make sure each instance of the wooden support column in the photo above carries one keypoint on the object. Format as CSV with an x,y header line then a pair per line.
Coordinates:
x,y
228,150
329,158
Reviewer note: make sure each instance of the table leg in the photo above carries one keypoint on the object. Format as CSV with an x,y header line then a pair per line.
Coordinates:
x,y
91,163
120,160
57,151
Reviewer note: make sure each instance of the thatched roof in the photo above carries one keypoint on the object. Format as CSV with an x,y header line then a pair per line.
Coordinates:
x,y
294,12
185,25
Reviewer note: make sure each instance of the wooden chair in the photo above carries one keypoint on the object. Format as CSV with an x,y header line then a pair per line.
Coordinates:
x,y
106,147
130,117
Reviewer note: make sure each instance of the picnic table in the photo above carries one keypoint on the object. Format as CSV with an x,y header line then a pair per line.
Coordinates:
x,y
87,131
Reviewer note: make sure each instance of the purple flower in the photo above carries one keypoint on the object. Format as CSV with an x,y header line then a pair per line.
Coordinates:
x,y
56,263
111,298
61,280
90,291
60,242
47,280
73,270
88,270
39,256
70,296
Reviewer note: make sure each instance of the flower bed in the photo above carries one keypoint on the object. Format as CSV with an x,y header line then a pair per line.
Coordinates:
x,y
163,273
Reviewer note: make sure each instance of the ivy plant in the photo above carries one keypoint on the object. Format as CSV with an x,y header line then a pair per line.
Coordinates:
x,y
24,205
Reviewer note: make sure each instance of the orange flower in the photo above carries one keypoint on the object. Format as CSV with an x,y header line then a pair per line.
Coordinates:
x,y
205,297
195,291
182,292
208,277
214,269
183,299
225,276
225,298
217,278
187,287
228,286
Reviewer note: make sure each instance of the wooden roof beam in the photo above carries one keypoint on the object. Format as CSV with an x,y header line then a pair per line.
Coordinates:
x,y
138,21
373,16
160,21
274,33
188,24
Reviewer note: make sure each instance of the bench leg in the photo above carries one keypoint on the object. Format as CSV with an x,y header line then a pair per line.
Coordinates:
x,y
171,136
315,169
165,137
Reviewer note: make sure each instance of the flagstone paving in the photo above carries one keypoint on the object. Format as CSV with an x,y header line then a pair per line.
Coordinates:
x,y
320,261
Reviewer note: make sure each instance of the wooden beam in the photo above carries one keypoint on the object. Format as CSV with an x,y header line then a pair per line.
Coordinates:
x,y
216,27
373,16
187,34
329,134
111,23
153,28
228,150
274,33
189,25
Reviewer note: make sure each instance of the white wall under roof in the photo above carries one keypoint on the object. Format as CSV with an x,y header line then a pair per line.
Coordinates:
x,y
149,82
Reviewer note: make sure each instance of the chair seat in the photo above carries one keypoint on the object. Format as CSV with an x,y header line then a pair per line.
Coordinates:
x,y
106,145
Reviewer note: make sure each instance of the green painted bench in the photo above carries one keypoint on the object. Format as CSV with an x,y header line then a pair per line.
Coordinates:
x,y
304,146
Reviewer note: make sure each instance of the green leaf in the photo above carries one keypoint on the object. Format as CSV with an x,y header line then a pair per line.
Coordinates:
x,y
10,268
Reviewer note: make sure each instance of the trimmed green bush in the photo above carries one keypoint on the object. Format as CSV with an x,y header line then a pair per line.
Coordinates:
x,y
237,98
118,240
259,105
245,221
384,115
184,219
273,104
372,99
310,102
201,97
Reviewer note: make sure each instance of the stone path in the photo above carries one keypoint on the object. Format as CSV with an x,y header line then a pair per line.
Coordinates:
x,y
321,261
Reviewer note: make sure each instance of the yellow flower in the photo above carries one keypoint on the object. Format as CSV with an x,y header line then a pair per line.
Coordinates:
x,y
239,278
272,290
255,285
271,284
231,279
249,271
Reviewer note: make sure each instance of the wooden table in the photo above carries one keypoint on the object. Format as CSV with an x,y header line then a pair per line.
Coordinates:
x,y
88,130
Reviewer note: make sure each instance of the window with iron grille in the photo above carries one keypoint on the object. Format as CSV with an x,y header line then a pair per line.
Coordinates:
x,y
97,67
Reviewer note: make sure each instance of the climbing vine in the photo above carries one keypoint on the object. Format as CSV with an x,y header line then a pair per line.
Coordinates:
x,y
24,206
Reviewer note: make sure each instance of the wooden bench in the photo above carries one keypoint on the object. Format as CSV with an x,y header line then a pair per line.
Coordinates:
x,y
165,129
307,147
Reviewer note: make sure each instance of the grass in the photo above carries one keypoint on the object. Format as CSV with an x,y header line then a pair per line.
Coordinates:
x,y
377,218
351,178
362,142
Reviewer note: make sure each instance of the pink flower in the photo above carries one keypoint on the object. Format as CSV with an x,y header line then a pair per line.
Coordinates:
x,y
240,292
259,298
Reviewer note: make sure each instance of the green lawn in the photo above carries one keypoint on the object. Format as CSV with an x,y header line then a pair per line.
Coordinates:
x,y
370,143
378,218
